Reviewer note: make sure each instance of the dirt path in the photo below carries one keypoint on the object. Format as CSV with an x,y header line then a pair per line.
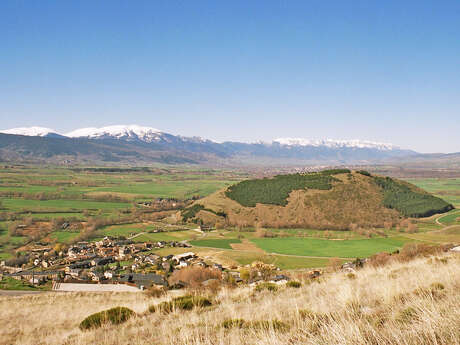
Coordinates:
x,y
134,236
247,245
444,215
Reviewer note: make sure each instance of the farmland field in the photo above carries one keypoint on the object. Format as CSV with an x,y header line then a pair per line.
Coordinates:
x,y
330,248
447,189
215,243
108,199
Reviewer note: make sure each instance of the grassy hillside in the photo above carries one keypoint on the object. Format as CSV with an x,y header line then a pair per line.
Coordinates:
x,y
333,199
409,303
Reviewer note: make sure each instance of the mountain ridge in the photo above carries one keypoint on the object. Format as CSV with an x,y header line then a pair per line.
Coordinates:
x,y
149,134
135,144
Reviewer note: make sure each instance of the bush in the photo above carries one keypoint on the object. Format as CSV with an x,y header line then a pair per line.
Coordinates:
x,y
379,259
194,276
114,316
437,286
276,325
267,286
187,302
413,250
351,276
294,284
406,315
364,172
155,291
233,323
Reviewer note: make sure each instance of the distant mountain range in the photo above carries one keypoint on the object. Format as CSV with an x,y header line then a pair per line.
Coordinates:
x,y
135,144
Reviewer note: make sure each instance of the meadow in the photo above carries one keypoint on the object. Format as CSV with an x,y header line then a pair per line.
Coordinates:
x,y
445,188
330,248
215,243
44,195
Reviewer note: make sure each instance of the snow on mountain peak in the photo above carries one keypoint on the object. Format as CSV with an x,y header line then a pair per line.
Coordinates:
x,y
30,131
130,132
335,143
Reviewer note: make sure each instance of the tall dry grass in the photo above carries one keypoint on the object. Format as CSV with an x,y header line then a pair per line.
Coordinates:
x,y
410,303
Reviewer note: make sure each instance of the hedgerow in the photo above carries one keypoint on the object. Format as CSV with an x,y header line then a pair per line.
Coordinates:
x,y
409,202
276,190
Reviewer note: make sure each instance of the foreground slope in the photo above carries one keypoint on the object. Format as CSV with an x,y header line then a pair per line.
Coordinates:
x,y
331,199
402,303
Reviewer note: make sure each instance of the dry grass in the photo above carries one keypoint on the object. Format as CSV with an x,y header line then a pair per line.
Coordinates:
x,y
414,302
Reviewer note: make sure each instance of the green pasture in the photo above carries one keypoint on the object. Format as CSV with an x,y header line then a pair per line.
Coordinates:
x,y
330,248
445,188
55,205
165,236
215,243
64,236
450,218
450,235
52,215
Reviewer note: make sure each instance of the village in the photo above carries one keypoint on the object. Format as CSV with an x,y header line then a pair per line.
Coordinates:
x,y
112,264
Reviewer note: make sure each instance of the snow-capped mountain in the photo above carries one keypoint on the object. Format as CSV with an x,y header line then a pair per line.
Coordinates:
x,y
336,143
31,131
129,133
119,142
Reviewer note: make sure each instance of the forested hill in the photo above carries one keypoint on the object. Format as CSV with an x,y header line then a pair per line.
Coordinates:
x,y
331,199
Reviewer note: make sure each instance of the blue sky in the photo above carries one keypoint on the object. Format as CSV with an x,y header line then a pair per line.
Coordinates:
x,y
237,70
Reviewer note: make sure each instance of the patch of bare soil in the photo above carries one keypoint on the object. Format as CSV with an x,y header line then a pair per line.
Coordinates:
x,y
248,246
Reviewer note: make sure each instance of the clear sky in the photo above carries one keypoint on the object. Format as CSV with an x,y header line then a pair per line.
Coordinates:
x,y
237,70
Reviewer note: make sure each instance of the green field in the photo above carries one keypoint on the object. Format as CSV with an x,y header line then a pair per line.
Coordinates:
x,y
13,284
445,188
215,243
450,218
64,236
74,205
329,248
88,194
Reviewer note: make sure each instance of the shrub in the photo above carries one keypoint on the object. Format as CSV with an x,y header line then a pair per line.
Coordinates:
x,y
194,276
267,286
276,325
187,302
364,172
406,315
351,276
413,250
233,323
155,291
294,284
114,316
437,286
379,259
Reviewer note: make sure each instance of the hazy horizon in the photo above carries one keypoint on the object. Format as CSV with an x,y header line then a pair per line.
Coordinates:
x,y
240,71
